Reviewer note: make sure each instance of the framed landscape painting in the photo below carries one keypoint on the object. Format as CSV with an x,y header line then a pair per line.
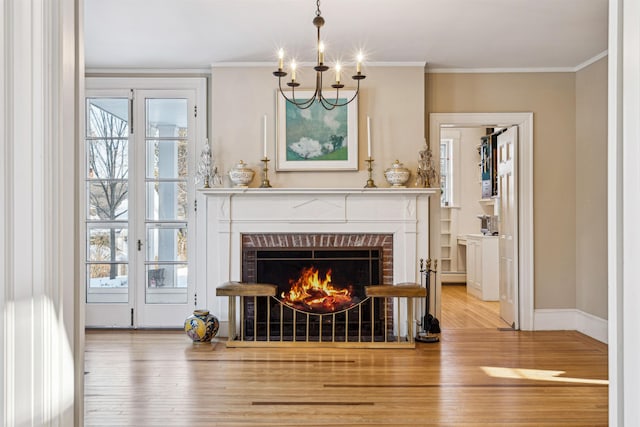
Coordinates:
x,y
316,139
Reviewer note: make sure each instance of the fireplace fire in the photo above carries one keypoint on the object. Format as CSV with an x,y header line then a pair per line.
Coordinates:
x,y
314,293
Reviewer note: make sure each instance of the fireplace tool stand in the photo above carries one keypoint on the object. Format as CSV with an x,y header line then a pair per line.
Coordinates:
x,y
429,324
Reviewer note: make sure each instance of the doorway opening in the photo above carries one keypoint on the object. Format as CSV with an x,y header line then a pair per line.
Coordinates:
x,y
515,251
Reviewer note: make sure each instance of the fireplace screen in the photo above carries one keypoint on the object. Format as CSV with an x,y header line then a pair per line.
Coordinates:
x,y
320,293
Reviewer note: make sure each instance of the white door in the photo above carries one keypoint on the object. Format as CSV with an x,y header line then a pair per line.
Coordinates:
x,y
164,141
140,218
508,228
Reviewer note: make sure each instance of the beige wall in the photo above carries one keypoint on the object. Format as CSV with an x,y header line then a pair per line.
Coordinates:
x,y
591,189
567,107
551,97
392,96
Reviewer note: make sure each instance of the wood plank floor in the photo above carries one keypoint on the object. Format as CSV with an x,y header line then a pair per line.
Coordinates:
x,y
462,311
477,375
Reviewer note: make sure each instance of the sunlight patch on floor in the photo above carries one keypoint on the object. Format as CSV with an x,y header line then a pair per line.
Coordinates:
x,y
537,375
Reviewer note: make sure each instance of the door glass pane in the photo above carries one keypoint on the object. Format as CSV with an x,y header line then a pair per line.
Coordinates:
x,y
167,243
108,244
108,158
167,201
166,284
166,117
167,159
107,117
107,190
108,200
107,283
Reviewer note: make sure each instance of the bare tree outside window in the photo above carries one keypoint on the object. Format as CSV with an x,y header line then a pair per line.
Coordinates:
x,y
108,169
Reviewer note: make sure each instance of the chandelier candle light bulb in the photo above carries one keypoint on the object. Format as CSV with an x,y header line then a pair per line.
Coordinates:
x,y
337,72
293,71
280,59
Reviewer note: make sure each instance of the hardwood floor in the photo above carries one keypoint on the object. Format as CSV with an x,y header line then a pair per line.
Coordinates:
x,y
462,311
477,375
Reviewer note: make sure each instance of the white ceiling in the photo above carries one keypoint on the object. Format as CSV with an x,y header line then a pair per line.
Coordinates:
x,y
188,34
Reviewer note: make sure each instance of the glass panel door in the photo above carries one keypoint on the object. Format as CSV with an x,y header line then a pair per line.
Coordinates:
x,y
107,142
166,201
107,145
169,291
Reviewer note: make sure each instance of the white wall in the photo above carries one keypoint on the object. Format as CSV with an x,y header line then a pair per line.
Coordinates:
x,y
40,320
623,201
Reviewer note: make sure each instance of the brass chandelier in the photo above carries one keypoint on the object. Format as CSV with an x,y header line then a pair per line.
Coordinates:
x,y
320,68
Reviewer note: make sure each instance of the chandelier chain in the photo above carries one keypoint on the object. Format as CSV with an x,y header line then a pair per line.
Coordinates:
x,y
317,7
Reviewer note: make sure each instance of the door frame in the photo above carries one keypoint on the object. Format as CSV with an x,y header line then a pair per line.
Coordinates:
x,y
525,308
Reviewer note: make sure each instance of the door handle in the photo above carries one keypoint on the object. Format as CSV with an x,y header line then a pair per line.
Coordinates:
x,y
139,245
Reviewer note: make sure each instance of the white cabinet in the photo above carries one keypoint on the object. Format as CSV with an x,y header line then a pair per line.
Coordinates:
x,y
482,267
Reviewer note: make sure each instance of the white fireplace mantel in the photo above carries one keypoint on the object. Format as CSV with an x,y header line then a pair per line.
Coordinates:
x,y
304,191
231,212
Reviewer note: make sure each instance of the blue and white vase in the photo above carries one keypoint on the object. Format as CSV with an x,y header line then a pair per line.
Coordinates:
x,y
201,326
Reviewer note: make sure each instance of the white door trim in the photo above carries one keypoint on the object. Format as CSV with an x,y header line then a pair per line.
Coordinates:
x,y
524,317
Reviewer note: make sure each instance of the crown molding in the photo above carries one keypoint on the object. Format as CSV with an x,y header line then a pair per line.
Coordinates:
x,y
592,60
518,70
182,72
311,64
152,72
499,70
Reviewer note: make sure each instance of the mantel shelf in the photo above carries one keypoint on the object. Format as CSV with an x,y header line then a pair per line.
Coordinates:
x,y
346,191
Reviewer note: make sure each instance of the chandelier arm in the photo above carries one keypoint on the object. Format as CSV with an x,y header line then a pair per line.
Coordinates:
x,y
300,104
303,105
326,104
325,101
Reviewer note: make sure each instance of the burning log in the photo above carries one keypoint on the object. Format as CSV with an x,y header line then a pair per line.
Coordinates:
x,y
314,294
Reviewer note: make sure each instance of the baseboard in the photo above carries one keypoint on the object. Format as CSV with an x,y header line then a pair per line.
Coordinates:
x,y
593,326
223,329
453,277
571,319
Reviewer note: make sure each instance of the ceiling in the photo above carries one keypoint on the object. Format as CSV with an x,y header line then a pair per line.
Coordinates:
x,y
446,34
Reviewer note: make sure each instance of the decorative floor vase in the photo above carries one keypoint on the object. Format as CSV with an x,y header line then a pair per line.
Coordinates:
x,y
201,326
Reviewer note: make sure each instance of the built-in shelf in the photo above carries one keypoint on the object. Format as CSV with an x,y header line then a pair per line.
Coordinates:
x,y
487,201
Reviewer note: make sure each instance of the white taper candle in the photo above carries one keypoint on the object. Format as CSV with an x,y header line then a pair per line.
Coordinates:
x,y
368,136
265,135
